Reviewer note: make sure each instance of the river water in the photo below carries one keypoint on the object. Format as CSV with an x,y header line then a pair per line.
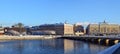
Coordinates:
x,y
49,46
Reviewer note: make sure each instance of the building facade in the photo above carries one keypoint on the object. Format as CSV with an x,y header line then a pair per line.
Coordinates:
x,y
78,30
103,29
68,29
14,31
60,29
1,30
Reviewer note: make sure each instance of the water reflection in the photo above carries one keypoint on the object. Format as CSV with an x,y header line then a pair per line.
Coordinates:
x,y
68,46
51,46
78,47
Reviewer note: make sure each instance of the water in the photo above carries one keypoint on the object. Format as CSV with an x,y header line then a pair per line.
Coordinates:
x,y
50,46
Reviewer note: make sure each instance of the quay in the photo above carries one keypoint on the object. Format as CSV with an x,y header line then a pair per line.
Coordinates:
x,y
111,40
27,37
96,39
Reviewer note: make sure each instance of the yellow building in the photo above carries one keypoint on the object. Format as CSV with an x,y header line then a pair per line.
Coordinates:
x,y
68,29
64,29
103,29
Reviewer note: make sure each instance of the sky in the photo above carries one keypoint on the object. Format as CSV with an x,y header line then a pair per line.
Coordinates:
x,y
36,12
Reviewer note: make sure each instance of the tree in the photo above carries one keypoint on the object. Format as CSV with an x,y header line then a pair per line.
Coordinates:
x,y
20,26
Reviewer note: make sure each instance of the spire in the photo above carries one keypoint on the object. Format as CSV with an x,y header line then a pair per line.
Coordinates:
x,y
104,21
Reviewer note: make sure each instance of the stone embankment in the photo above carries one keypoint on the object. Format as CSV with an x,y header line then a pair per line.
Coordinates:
x,y
27,37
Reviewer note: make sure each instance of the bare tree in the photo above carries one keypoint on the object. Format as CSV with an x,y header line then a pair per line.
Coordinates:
x,y
20,26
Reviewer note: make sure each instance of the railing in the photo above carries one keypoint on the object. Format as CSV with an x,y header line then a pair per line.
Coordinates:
x,y
111,49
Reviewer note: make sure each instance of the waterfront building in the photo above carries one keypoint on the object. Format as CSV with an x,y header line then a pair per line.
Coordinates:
x,y
43,32
68,29
15,30
59,28
1,30
78,29
45,29
103,29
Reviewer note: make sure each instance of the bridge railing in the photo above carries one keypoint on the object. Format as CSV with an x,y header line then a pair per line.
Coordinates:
x,y
110,50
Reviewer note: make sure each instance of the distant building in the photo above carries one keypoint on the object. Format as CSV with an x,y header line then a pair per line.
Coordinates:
x,y
78,30
64,29
1,30
103,29
17,29
47,32
60,29
14,30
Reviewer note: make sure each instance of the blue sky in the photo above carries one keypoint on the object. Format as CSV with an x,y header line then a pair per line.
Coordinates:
x,y
36,12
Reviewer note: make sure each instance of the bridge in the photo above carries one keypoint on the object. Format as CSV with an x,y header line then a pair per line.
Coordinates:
x,y
108,40
105,40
